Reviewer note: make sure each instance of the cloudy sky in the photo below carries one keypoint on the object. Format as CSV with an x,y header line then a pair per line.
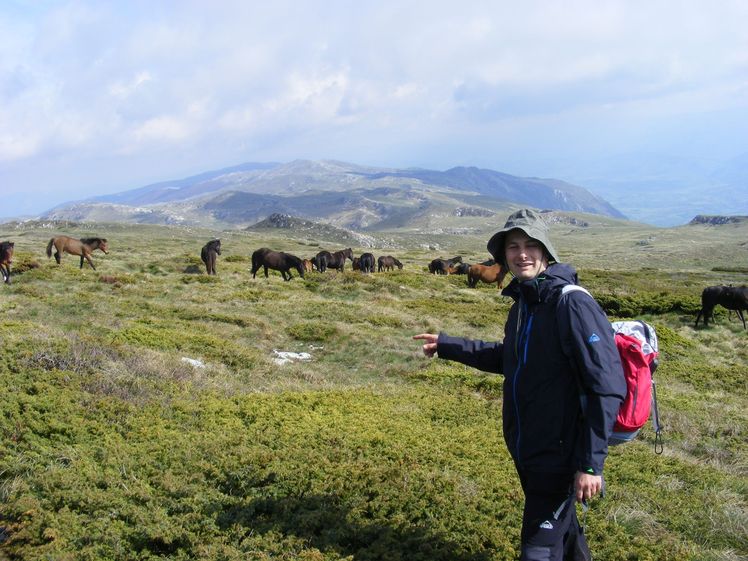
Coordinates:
x,y
102,96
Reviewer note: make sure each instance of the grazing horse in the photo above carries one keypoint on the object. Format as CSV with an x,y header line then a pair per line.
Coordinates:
x,y
83,247
356,264
486,273
6,258
208,255
388,263
278,261
308,265
441,266
729,297
461,268
367,263
335,260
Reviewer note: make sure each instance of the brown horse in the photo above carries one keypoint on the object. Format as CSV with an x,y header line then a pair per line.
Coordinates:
x,y
325,259
83,247
278,261
208,255
388,263
486,273
6,258
308,266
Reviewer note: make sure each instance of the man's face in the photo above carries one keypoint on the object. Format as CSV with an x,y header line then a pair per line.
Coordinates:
x,y
525,256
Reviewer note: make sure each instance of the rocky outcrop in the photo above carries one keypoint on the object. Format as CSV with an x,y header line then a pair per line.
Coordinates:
x,y
717,220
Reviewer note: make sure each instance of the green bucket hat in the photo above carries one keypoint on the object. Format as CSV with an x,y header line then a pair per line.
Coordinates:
x,y
531,223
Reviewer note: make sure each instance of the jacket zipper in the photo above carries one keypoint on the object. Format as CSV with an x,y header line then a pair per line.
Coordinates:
x,y
522,343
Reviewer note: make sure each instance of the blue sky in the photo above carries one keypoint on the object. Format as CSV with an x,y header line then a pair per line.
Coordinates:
x,y
103,96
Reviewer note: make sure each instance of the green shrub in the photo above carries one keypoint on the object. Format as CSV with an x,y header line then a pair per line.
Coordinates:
x,y
312,331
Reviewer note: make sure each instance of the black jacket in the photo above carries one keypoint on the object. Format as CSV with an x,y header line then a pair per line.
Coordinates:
x,y
555,356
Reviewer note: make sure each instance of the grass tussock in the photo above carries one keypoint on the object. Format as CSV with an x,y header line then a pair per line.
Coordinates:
x,y
145,416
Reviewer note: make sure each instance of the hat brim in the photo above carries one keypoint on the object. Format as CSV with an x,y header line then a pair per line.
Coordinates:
x,y
495,245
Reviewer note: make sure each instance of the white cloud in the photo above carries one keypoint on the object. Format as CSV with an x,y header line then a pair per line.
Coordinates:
x,y
86,80
123,89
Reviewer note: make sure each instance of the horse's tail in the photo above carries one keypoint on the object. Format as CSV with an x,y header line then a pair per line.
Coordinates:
x,y
49,247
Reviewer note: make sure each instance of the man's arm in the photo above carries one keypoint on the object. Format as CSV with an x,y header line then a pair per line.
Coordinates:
x,y
471,352
485,356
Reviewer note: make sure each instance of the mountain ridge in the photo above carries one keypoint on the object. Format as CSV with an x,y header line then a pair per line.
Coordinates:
x,y
346,195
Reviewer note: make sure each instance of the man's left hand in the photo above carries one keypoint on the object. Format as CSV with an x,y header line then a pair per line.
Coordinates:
x,y
587,485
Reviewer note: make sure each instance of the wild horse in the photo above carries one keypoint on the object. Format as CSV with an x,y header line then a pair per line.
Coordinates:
x,y
441,266
208,255
729,297
486,273
83,247
366,263
325,259
6,258
388,263
278,261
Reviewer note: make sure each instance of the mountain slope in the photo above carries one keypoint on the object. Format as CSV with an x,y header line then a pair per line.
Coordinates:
x,y
345,195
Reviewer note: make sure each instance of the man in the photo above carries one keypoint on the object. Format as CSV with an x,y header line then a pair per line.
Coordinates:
x,y
562,389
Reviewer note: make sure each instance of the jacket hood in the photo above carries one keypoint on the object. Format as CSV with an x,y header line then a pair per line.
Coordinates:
x,y
544,287
531,223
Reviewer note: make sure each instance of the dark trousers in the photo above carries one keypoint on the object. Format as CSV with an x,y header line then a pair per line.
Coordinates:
x,y
550,528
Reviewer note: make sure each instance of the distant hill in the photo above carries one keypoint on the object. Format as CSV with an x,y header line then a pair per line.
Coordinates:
x,y
345,195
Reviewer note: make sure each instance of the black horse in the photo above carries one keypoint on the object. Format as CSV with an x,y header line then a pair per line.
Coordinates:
x,y
278,261
208,255
366,263
729,297
325,259
6,258
441,266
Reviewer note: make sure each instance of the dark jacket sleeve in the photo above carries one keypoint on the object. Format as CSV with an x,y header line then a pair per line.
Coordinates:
x,y
590,343
472,352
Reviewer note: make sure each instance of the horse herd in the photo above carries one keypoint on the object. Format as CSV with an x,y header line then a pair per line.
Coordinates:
x,y
488,271
732,298
277,260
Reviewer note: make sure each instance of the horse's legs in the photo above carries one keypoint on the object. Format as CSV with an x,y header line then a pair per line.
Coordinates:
x,y
88,258
698,316
266,270
58,255
738,311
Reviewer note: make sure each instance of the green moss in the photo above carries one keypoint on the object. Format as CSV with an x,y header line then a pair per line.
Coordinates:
x,y
312,331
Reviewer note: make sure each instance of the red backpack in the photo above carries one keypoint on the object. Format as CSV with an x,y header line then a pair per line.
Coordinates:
x,y
637,346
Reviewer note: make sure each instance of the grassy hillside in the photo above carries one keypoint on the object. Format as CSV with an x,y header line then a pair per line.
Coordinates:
x,y
116,447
